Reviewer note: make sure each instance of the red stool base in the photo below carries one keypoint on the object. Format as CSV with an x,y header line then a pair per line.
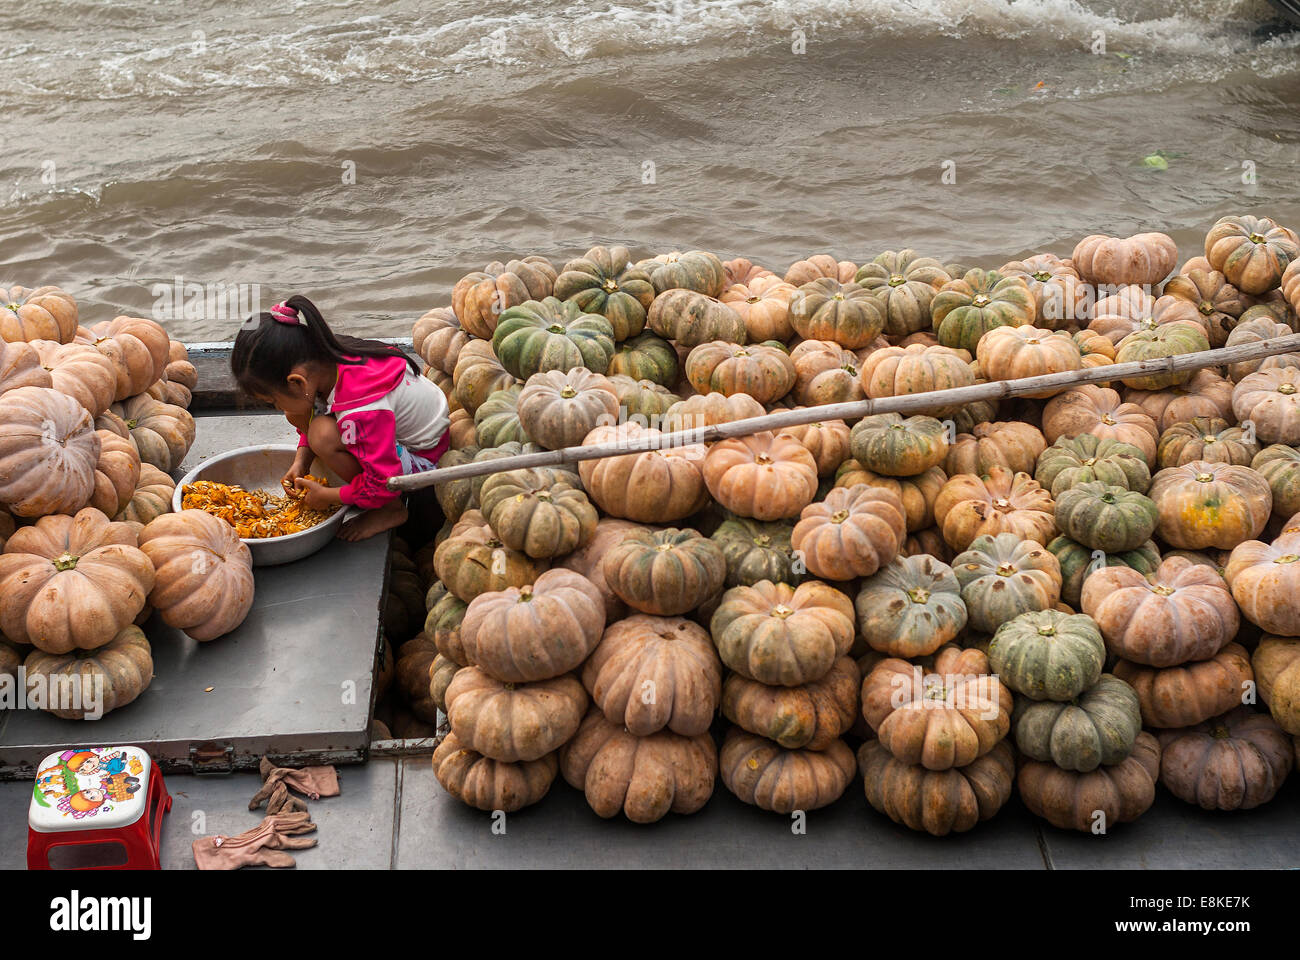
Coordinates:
x,y
142,839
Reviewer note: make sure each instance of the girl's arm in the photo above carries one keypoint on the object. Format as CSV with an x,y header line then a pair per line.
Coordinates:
x,y
371,437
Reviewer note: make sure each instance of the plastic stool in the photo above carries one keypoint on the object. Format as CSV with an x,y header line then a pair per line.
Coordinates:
x,y
98,795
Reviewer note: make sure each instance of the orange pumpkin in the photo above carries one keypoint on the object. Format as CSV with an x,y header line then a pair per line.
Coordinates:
x,y
1190,693
820,265
707,409
763,304
741,271
1258,330
1003,501
1011,353
1270,399
43,313
811,716
1061,299
478,299
764,372
1206,504
1276,663
1217,301
151,498
1181,612
852,533
645,778
81,372
899,371
163,432
534,632
514,722
138,351
72,583
438,338
1102,797
761,773
1206,394
1252,252
48,452
1100,412
20,366
655,673
937,802
478,375
1142,258
942,716
1132,309
203,573
1265,582
488,784
825,372
916,493
1009,444
117,471
826,440
653,486
782,635
763,476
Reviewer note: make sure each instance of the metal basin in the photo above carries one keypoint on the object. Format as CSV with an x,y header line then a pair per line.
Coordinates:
x,y
260,468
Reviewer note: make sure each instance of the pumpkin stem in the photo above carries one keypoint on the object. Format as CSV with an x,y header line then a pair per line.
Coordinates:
x,y
1203,478
526,593
980,300
839,516
919,595
1220,732
1005,569
895,279
568,393
610,285
1287,558
1161,589
781,611
65,562
1286,389
762,540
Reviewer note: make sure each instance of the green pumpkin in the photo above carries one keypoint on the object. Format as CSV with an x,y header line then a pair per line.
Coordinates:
x,y
1087,459
1048,655
537,512
457,496
497,420
1205,438
692,318
844,313
906,285
1166,340
1003,576
910,607
1078,562
551,334
966,309
442,626
758,551
1280,466
695,270
602,281
645,357
895,446
1107,518
973,414
1097,728
642,398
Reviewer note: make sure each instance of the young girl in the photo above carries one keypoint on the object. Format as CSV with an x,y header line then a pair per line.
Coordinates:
x,y
361,406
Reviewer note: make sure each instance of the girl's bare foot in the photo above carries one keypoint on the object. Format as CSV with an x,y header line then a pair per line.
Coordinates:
x,y
390,515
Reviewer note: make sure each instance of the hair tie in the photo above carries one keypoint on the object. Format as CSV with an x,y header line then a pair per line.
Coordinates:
x,y
284,313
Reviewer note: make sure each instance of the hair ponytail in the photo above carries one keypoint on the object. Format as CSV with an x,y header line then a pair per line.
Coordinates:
x,y
271,345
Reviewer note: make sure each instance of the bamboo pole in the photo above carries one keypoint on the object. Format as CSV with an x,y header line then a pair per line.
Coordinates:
x,y
853,409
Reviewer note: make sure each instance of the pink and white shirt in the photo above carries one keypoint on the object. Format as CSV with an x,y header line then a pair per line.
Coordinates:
x,y
383,408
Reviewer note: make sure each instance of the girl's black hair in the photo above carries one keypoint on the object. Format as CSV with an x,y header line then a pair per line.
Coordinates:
x,y
267,350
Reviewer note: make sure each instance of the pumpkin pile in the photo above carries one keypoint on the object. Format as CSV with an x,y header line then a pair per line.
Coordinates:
x,y
1041,595
92,420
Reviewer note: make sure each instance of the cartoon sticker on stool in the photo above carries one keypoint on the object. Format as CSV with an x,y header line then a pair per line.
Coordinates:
x,y
90,781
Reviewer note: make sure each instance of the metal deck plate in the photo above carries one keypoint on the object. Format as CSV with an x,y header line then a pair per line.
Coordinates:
x,y
294,681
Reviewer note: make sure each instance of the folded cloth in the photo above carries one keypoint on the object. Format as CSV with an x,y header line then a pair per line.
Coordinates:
x,y
311,782
263,846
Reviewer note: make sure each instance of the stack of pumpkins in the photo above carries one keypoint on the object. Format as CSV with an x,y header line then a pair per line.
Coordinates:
x,y
946,527
91,422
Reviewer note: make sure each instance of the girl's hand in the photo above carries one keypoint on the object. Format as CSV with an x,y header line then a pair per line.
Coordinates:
x,y
316,496
301,461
